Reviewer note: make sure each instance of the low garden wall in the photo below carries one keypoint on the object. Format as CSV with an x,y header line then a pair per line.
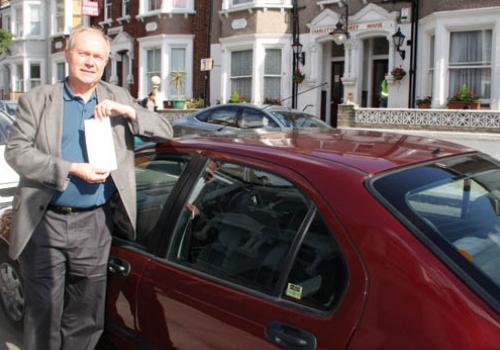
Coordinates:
x,y
419,119
173,114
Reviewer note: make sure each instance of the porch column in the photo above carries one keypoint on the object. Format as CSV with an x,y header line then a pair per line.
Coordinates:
x,y
130,76
347,60
442,44
113,79
390,66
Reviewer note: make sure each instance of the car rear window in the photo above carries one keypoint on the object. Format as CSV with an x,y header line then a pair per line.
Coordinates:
x,y
455,204
5,126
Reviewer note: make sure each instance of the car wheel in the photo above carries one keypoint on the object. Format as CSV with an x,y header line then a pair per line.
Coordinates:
x,y
11,289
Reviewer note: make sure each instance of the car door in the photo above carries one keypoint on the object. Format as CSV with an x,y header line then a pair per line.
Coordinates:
x,y
251,263
159,179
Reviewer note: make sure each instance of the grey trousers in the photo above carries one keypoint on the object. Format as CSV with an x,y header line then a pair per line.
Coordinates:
x,y
64,267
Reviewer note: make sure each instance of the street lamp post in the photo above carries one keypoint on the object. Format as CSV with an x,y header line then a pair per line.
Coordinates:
x,y
296,46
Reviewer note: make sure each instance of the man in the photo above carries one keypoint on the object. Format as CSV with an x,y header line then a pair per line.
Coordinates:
x,y
61,217
384,93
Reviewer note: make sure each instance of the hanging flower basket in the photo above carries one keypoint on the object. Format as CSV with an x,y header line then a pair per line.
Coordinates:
x,y
398,73
298,76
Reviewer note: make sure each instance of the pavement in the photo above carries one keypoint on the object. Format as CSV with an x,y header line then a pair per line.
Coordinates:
x,y
488,143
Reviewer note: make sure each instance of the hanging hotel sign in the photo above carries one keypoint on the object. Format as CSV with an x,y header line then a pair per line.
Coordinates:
x,y
206,64
355,27
90,8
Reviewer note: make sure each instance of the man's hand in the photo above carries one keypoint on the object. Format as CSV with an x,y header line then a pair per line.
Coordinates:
x,y
88,173
108,108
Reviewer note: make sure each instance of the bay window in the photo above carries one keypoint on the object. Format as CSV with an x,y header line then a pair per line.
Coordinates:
x,y
177,63
154,5
125,8
18,30
6,22
108,5
60,71
19,78
179,4
241,73
35,20
153,67
35,75
470,62
59,16
77,13
432,58
272,75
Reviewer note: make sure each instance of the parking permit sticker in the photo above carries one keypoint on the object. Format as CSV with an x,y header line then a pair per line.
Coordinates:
x,y
294,291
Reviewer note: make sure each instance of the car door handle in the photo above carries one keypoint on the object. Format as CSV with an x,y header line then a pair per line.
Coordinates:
x,y
289,337
118,266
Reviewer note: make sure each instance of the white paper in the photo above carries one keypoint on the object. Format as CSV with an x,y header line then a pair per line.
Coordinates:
x,y
100,146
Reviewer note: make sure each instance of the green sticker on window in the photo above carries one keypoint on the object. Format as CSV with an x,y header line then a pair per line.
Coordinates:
x,y
294,291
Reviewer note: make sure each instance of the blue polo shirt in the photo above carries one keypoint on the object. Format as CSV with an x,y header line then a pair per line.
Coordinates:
x,y
79,193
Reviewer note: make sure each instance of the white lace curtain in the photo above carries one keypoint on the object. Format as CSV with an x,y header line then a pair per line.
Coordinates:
x,y
241,73
470,62
178,62
153,67
272,74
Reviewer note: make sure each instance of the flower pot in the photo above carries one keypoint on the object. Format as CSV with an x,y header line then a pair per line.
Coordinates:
x,y
298,79
474,105
464,105
398,76
179,104
424,105
167,104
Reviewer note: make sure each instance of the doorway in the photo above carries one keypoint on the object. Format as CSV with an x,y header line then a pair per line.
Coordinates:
x,y
379,69
337,93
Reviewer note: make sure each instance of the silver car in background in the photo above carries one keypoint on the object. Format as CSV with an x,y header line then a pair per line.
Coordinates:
x,y
231,118
8,177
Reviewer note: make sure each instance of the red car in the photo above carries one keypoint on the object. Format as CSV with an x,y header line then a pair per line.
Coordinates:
x,y
309,240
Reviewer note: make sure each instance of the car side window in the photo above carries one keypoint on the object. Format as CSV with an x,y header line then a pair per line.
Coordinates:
x,y
239,224
254,119
224,116
203,117
319,274
156,176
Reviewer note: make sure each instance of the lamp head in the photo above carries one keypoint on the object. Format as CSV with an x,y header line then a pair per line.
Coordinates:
x,y
340,35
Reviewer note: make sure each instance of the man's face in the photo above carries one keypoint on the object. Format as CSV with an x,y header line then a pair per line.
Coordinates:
x,y
87,59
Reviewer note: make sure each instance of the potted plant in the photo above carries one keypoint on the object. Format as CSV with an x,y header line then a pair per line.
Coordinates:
x,y
424,102
298,76
464,99
177,78
398,73
236,97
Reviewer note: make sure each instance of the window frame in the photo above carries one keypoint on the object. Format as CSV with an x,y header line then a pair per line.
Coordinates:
x,y
241,77
276,295
31,8
274,75
478,67
31,79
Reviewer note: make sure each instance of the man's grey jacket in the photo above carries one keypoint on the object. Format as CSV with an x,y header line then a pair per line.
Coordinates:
x,y
34,149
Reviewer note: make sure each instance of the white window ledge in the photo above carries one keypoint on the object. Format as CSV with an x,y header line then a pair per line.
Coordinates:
x,y
159,13
252,7
105,22
124,19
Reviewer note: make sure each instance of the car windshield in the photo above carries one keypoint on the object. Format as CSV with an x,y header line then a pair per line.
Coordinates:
x,y
299,120
455,204
5,125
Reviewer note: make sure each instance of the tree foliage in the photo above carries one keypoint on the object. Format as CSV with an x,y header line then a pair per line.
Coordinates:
x,y
5,40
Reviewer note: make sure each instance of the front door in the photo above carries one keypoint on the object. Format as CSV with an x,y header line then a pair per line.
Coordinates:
x,y
337,93
379,70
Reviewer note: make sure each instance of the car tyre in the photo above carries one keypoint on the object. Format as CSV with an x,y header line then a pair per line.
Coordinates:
x,y
11,289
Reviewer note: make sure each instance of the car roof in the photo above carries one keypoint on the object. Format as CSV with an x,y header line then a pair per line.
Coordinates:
x,y
367,151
